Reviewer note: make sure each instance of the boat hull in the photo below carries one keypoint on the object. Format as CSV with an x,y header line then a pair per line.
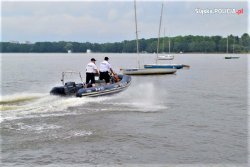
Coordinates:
x,y
162,66
232,57
72,89
148,71
167,57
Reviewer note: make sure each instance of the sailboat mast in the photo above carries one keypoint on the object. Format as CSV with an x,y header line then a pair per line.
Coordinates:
x,y
159,32
233,44
227,44
163,43
169,45
137,43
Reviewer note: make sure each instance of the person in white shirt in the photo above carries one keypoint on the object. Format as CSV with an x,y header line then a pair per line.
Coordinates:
x,y
105,67
91,70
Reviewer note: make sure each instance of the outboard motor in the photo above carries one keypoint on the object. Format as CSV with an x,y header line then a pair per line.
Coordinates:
x,y
58,91
70,88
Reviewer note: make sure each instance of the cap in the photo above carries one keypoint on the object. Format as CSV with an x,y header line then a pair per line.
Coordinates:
x,y
93,59
106,58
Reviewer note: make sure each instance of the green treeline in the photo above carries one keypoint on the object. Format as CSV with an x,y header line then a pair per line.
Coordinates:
x,y
185,44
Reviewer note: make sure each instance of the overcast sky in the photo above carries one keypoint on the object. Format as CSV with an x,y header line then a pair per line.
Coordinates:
x,y
111,21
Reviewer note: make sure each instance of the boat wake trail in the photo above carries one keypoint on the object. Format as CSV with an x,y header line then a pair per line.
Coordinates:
x,y
138,98
15,99
141,98
29,105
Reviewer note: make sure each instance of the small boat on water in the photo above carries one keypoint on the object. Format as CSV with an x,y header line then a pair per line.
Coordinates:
x,y
165,66
165,57
156,65
147,71
231,57
143,71
80,89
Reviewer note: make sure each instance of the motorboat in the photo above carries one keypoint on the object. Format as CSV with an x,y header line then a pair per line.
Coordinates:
x,y
71,88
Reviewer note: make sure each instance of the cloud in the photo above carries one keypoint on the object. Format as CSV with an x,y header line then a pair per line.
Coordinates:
x,y
109,21
63,21
64,27
113,15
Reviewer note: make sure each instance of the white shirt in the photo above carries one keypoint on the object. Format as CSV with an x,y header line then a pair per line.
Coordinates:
x,y
105,66
91,68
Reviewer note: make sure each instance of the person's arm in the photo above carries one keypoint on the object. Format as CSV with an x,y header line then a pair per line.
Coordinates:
x,y
96,69
112,71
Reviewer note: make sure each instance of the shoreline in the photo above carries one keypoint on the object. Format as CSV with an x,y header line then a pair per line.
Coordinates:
x,y
118,53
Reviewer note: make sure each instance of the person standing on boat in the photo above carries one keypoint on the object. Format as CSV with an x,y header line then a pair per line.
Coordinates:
x,y
91,70
105,67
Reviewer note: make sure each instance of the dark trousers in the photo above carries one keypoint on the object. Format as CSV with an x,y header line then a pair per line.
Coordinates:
x,y
90,77
105,75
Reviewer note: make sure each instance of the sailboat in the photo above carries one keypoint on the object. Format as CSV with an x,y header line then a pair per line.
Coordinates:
x,y
144,71
162,66
231,57
168,56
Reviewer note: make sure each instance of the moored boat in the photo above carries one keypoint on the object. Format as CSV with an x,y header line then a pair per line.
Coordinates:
x,y
161,57
165,57
143,71
147,71
232,57
164,66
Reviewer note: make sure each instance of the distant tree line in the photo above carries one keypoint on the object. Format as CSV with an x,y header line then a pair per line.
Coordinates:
x,y
185,44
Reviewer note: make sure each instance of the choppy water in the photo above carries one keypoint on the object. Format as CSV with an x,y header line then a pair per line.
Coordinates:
x,y
196,117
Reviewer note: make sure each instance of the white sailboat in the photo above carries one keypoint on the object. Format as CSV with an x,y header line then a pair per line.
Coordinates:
x,y
231,57
162,66
166,56
144,71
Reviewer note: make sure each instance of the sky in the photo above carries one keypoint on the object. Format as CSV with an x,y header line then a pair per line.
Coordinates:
x,y
113,21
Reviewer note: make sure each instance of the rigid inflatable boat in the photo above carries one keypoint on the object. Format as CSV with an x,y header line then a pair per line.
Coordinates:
x,y
101,88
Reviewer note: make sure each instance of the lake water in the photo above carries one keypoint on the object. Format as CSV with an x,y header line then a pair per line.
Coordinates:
x,y
196,117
